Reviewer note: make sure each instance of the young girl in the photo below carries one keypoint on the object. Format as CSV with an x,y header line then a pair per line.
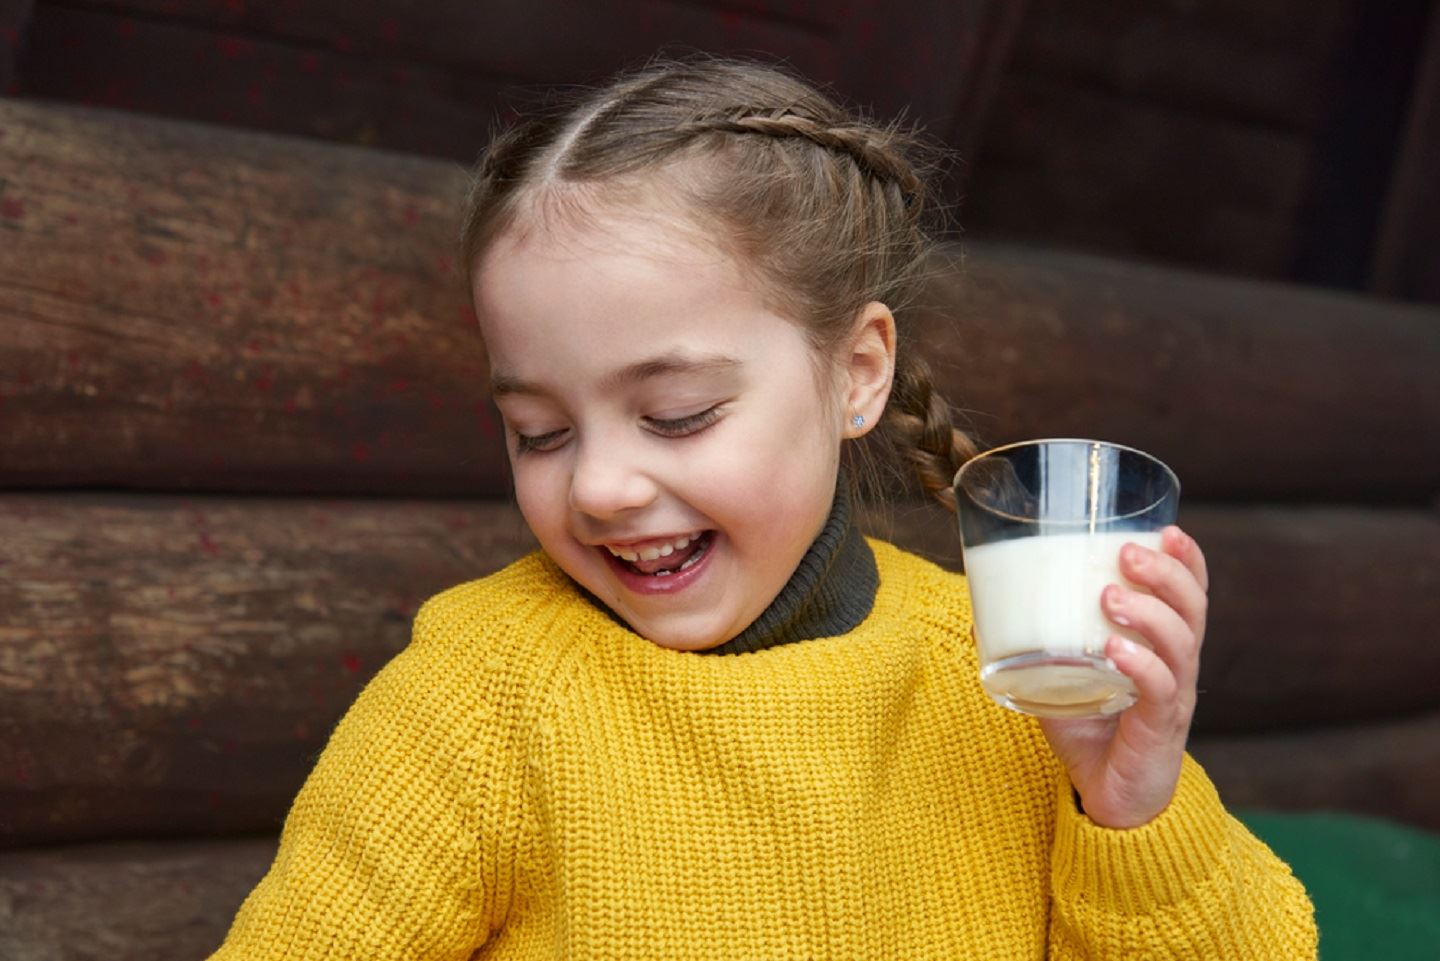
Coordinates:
x,y
709,719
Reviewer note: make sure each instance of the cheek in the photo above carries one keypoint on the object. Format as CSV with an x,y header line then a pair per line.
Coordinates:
x,y
780,468
542,499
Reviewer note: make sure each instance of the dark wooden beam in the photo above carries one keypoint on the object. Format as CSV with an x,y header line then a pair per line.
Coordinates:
x,y
15,17
1194,61
1407,263
936,62
1368,93
129,901
1069,163
1388,769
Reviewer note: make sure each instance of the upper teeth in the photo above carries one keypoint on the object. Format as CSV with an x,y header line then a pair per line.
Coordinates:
x,y
653,551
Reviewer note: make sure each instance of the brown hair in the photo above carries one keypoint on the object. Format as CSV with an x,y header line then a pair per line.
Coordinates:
x,y
825,207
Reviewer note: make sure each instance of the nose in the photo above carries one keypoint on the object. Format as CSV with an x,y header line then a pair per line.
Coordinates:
x,y
606,482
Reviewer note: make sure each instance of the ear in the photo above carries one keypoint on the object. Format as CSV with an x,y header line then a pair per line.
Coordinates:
x,y
868,367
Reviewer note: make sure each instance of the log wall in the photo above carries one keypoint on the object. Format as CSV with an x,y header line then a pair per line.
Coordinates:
x,y
199,314
286,317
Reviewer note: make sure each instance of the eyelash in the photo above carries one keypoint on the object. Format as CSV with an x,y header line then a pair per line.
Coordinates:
x,y
527,443
676,427
685,426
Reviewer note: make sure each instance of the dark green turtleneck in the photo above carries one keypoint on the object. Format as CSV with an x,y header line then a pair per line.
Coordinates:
x,y
831,591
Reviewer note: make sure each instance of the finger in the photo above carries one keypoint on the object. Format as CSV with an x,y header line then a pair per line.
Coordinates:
x,y
1158,717
1167,633
1169,579
1183,548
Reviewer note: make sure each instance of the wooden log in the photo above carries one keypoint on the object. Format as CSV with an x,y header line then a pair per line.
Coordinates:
x,y
129,901
1082,166
374,74
1309,26
546,42
1183,60
173,666
1370,88
287,316
1387,769
170,66
1249,390
940,60
937,63
1317,615
15,18
185,307
1407,261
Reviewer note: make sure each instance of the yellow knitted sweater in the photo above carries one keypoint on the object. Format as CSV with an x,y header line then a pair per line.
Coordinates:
x,y
529,779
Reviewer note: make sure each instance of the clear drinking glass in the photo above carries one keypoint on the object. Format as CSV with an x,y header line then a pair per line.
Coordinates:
x,y
1041,527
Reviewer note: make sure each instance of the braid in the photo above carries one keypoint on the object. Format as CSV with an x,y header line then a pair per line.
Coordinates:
x,y
868,146
921,427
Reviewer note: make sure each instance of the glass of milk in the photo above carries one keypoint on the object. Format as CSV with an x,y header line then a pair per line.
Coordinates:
x,y
1041,526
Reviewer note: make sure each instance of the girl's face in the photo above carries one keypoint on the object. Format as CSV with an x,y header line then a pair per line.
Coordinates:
x,y
673,448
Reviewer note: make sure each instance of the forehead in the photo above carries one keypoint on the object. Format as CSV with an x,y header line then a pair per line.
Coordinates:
x,y
602,291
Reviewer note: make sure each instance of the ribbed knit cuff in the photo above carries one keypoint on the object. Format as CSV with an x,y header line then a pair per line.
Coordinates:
x,y
1136,870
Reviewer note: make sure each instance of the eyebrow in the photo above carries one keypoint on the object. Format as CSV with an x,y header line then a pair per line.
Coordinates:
x,y
662,365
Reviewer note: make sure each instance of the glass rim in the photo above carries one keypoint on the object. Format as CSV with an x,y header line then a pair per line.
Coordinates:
x,y
1086,522
1038,441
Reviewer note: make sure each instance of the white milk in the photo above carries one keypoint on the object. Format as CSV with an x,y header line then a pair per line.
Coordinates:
x,y
1041,596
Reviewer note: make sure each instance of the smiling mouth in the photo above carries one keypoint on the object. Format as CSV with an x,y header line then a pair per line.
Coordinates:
x,y
677,556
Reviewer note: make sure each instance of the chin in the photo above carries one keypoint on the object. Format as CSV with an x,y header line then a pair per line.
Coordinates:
x,y
679,636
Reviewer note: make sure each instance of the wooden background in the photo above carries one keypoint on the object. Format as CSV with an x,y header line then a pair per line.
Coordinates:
x,y
244,429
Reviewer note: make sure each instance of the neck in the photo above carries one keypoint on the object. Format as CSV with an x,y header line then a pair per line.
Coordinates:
x,y
831,591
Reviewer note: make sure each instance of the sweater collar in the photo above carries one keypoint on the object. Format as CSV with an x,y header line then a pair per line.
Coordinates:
x,y
832,590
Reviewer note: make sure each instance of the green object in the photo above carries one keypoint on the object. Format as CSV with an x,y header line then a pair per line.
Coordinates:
x,y
1375,883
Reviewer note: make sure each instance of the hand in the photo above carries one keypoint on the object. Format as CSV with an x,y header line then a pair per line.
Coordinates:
x,y
1125,768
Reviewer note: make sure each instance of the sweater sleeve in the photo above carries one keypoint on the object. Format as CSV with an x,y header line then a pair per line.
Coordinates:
x,y
381,855
1193,883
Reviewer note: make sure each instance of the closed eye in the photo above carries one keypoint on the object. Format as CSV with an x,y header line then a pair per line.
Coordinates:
x,y
683,426
548,441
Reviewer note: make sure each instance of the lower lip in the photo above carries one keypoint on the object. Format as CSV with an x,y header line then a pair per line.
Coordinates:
x,y
670,583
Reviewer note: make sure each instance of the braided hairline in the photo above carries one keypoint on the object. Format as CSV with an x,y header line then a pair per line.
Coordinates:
x,y
849,139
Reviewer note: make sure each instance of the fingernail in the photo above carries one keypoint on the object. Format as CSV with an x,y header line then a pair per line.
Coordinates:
x,y
1136,555
1127,646
1116,601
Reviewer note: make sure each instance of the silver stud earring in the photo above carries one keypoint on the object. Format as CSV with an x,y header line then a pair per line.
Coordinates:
x,y
857,421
